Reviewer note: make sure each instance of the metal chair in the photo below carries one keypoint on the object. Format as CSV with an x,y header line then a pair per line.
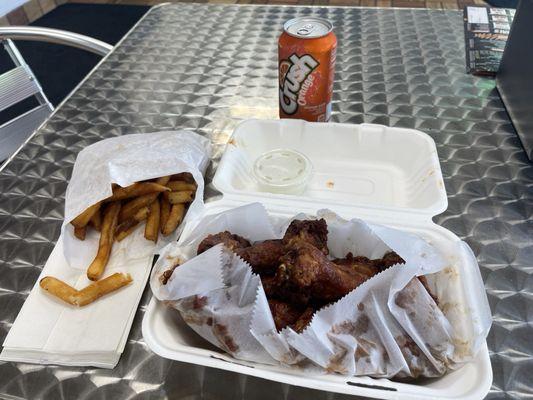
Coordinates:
x,y
20,83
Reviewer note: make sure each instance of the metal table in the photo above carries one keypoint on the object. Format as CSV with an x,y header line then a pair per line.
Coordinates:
x,y
205,67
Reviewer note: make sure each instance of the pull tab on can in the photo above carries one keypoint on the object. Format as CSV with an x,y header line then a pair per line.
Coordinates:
x,y
306,29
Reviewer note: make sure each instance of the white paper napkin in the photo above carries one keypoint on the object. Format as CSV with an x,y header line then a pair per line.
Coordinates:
x,y
49,331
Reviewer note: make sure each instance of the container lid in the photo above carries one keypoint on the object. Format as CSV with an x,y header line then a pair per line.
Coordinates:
x,y
282,171
368,169
308,27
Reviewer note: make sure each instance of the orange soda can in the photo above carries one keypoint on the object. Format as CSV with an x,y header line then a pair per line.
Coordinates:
x,y
307,50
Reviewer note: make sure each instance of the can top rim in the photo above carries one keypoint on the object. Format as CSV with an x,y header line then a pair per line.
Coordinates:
x,y
328,25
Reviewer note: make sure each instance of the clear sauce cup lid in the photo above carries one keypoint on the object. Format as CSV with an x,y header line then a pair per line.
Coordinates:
x,y
282,171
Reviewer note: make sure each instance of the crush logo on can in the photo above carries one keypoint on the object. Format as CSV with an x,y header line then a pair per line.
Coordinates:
x,y
294,81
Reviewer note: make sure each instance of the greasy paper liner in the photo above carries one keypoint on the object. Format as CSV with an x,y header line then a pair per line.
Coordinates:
x,y
389,326
125,160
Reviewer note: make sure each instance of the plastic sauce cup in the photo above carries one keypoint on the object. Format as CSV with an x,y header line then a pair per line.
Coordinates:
x,y
282,171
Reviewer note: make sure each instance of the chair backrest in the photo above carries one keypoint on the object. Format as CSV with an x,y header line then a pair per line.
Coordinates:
x,y
20,83
16,85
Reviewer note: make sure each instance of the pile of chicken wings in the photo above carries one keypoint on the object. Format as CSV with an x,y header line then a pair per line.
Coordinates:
x,y
296,273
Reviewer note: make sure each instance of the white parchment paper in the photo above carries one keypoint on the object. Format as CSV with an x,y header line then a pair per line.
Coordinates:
x,y
125,160
387,327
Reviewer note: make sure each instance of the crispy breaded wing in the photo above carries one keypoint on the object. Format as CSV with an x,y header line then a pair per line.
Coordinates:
x,y
360,264
306,268
284,313
303,320
279,287
231,241
263,256
388,260
314,232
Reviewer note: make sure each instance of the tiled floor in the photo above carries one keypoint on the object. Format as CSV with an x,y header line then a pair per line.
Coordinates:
x,y
33,9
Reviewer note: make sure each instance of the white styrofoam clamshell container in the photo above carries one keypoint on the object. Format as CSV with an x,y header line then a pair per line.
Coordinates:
x,y
384,175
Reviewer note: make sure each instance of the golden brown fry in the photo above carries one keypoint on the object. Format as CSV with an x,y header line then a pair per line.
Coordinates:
x,y
175,217
163,180
96,220
131,207
185,196
87,295
183,176
109,224
101,288
181,185
129,225
80,232
83,219
164,212
142,214
137,189
126,232
151,230
59,289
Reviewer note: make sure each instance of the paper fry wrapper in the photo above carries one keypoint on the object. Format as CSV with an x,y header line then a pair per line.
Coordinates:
x,y
125,160
389,326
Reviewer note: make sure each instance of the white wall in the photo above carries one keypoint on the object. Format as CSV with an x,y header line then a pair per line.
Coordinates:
x,y
9,5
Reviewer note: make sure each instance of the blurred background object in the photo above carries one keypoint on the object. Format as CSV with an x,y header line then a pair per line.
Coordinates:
x,y
19,85
515,76
35,76
59,68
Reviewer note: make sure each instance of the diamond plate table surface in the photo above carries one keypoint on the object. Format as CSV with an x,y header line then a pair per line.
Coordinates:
x,y
204,68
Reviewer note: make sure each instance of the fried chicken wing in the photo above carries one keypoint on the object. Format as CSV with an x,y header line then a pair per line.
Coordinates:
x,y
389,259
263,256
360,264
269,285
284,314
314,232
279,287
303,320
231,241
306,268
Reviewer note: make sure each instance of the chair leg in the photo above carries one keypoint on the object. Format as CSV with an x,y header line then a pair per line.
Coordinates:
x,y
18,60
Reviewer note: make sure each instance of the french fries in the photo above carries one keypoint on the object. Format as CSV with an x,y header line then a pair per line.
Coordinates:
x,y
174,218
59,289
101,288
185,196
176,186
83,219
183,176
109,224
151,230
96,220
131,207
163,180
135,190
88,294
129,225
164,212
80,232
161,202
